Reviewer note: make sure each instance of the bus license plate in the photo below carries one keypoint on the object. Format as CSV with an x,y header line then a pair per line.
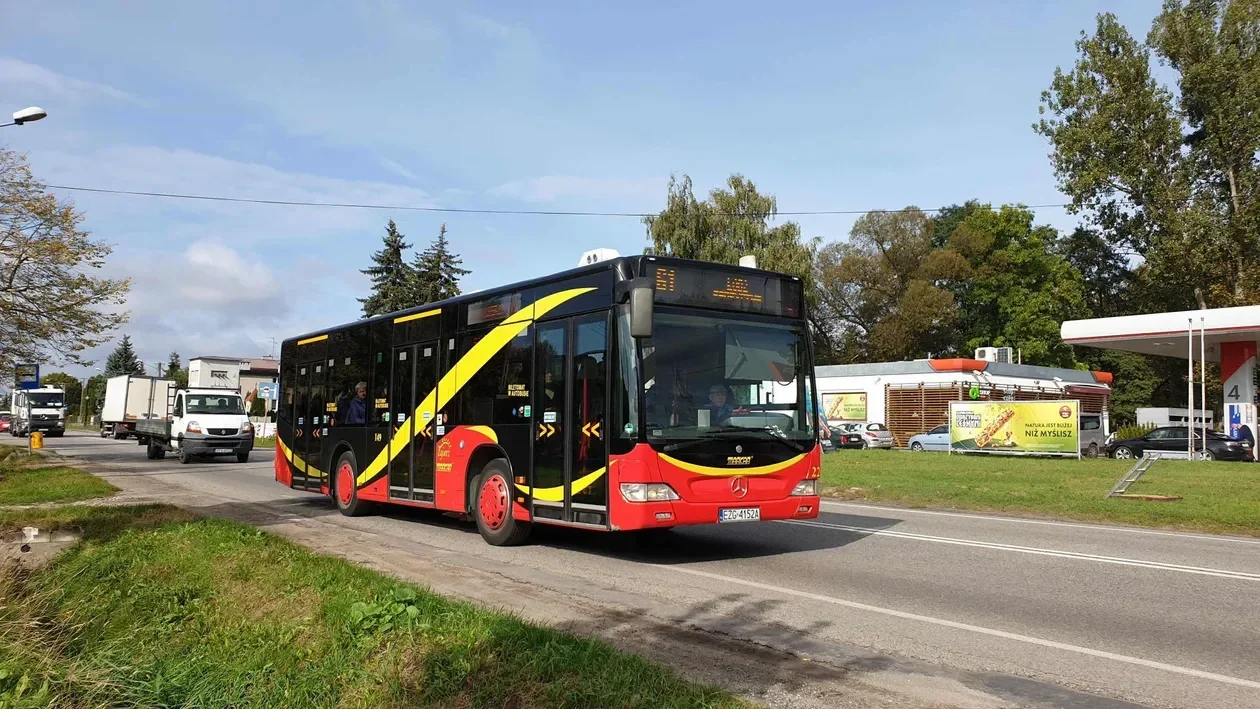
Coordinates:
x,y
743,514
222,450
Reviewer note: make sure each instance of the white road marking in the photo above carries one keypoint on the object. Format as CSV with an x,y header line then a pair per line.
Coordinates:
x,y
1237,681
1080,556
1049,523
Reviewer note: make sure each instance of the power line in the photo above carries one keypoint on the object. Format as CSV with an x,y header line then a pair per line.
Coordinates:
x,y
459,210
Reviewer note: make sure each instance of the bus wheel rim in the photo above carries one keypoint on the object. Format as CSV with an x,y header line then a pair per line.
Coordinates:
x,y
345,484
492,502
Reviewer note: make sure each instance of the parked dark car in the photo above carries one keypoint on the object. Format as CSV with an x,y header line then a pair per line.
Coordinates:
x,y
1173,439
846,435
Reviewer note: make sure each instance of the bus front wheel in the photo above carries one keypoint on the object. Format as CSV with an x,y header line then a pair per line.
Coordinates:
x,y
345,491
491,505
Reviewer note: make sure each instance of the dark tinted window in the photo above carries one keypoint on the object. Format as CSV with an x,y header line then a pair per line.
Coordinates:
x,y
378,387
498,393
876,427
288,374
347,369
1090,423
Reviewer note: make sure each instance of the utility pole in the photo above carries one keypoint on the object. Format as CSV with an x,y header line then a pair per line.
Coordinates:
x,y
273,347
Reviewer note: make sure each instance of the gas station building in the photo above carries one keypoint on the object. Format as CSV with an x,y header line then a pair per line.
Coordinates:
x,y
1229,336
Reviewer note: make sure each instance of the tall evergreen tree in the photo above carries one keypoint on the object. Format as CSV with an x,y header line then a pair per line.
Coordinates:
x,y
437,272
123,360
175,370
392,278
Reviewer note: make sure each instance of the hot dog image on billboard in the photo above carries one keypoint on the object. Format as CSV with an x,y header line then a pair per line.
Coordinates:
x,y
1015,427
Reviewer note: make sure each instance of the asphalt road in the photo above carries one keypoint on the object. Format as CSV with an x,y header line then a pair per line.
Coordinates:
x,y
989,611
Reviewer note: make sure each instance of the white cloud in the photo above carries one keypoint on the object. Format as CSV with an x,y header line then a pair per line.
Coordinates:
x,y
398,169
633,191
15,72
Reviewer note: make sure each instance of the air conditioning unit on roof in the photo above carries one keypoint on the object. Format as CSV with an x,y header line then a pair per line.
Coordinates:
x,y
995,354
597,255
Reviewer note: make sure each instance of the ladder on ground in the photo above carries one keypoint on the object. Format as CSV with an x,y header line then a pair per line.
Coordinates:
x,y
1142,465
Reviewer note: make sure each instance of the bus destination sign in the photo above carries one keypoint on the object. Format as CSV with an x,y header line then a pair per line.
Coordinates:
x,y
716,288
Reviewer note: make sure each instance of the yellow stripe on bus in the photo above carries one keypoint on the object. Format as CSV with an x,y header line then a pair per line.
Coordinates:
x,y
310,340
416,316
730,472
556,494
465,368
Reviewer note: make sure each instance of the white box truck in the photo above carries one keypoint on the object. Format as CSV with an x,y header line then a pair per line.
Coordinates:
x,y
130,398
198,422
42,409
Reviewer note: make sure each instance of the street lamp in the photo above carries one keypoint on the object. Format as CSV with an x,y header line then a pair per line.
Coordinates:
x,y
29,114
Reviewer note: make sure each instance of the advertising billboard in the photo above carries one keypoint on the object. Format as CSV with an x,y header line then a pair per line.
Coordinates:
x,y
848,406
26,376
1015,427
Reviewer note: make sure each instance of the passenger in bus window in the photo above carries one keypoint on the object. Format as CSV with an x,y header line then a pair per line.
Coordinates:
x,y
358,405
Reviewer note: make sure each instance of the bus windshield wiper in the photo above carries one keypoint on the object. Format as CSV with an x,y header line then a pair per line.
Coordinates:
x,y
733,432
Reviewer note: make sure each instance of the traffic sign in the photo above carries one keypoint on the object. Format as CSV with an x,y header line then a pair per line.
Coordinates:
x,y
269,390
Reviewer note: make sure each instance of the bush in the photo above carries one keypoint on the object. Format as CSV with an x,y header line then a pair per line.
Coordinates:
x,y
1125,433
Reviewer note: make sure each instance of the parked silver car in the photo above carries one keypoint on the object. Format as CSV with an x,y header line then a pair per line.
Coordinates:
x,y
935,440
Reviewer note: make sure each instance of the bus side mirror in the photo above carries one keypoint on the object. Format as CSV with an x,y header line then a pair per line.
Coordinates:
x,y
641,299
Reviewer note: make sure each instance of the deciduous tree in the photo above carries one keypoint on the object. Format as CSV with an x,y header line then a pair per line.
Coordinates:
x,y
54,304
1167,179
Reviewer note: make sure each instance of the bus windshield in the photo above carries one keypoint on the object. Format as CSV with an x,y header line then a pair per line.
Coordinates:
x,y
705,373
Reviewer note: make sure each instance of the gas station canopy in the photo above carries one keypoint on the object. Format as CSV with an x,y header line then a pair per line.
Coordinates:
x,y
1168,334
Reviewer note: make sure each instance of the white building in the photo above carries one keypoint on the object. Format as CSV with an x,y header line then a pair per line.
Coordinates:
x,y
913,397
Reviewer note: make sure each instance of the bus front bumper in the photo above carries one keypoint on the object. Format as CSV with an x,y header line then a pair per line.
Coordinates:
x,y
649,515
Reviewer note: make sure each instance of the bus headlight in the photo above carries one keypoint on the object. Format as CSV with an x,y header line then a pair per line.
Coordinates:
x,y
647,492
806,488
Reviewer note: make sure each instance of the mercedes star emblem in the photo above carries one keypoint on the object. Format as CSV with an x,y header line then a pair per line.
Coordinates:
x,y
739,486
739,449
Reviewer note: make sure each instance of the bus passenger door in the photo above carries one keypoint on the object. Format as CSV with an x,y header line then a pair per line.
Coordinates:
x,y
311,437
570,481
586,479
425,373
401,406
301,423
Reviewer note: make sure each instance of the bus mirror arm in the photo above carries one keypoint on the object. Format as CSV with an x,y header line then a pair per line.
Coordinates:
x,y
641,299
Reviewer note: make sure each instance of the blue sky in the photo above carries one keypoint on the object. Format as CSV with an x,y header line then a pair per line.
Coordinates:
x,y
555,105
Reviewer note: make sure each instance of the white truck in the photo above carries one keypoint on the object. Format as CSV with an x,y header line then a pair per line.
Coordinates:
x,y
42,409
198,423
130,398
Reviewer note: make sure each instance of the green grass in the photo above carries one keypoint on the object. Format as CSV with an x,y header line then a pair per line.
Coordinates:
x,y
1216,497
27,481
265,442
157,608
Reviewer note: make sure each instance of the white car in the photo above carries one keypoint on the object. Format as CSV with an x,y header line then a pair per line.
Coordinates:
x,y
874,435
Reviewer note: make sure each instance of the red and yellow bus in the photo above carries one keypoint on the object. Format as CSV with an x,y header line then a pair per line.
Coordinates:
x,y
633,393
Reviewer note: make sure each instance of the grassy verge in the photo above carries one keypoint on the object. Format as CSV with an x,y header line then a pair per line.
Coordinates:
x,y
265,442
156,608
1217,497
31,480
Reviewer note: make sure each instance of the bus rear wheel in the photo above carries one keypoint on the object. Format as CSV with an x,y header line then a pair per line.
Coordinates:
x,y
491,505
345,491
